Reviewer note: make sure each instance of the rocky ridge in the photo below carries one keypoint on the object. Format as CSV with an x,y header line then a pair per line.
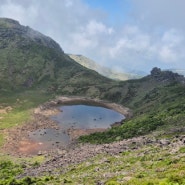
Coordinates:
x,y
163,76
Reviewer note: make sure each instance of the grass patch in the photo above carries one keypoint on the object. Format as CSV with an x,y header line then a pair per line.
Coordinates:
x,y
22,104
14,118
1,139
9,171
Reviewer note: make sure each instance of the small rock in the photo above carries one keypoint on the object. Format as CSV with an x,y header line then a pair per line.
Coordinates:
x,y
164,142
39,153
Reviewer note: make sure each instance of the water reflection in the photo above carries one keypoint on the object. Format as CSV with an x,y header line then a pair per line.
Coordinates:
x,y
50,137
86,117
76,117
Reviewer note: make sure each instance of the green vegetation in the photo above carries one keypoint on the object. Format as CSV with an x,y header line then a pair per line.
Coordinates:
x,y
30,60
34,69
9,171
148,165
160,108
18,108
1,139
129,129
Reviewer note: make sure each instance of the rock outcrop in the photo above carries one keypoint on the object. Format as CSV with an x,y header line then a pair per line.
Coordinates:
x,y
162,76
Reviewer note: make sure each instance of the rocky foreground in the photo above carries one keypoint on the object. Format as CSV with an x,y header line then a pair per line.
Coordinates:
x,y
60,161
101,162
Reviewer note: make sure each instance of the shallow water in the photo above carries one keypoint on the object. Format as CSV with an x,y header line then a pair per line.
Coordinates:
x,y
86,117
76,117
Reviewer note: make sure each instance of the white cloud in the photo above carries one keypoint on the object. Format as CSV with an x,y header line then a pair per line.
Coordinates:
x,y
172,37
88,38
68,3
165,13
152,36
19,12
172,43
167,54
141,48
94,27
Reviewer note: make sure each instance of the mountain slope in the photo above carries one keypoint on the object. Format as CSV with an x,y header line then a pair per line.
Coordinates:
x,y
33,64
29,59
103,70
157,101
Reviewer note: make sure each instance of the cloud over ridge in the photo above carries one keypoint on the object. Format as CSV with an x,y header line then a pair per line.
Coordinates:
x,y
152,35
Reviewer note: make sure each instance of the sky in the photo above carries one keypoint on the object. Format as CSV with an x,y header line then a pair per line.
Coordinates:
x,y
125,35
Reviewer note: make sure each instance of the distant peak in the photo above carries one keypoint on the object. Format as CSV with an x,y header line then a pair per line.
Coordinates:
x,y
160,75
155,71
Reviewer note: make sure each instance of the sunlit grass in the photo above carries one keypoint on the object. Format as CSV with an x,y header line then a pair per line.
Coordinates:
x,y
21,108
14,118
1,139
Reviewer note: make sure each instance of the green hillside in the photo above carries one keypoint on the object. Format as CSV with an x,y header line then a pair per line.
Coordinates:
x,y
30,59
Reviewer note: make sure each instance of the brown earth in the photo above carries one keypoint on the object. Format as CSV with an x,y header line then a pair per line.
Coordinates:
x,y
17,137
18,142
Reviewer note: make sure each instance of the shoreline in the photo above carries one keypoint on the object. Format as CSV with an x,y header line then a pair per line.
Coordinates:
x,y
18,141
69,100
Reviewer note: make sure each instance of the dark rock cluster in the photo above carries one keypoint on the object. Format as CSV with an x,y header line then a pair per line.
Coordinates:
x,y
163,76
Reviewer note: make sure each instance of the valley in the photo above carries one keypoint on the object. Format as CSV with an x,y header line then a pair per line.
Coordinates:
x,y
146,148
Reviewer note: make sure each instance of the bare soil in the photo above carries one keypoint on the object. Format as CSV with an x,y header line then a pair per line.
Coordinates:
x,y
18,142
